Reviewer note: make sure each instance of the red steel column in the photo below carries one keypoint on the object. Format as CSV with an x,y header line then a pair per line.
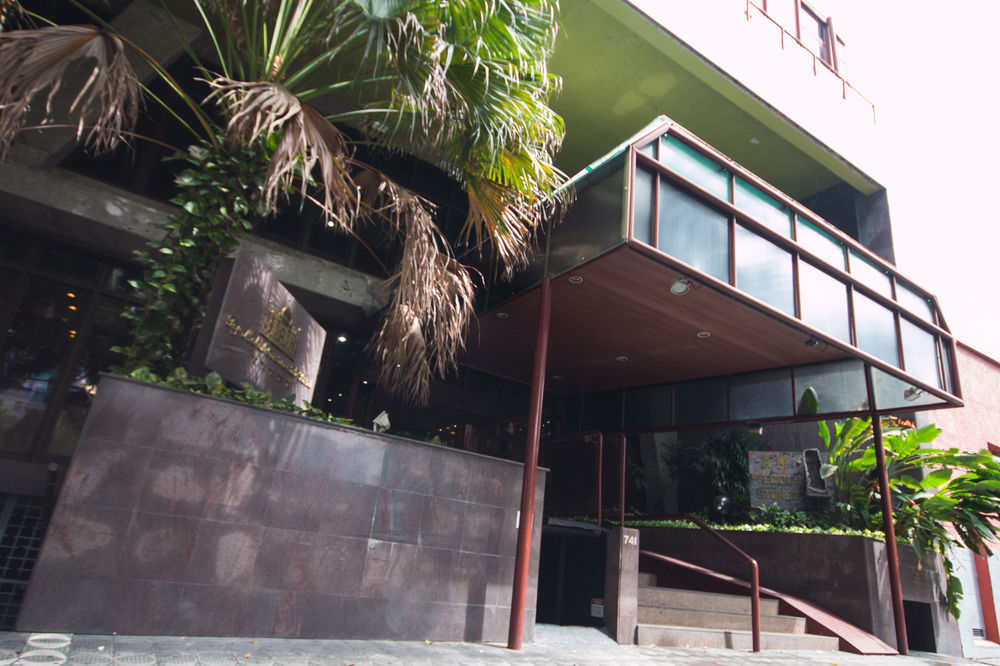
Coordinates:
x,y
985,584
523,557
889,528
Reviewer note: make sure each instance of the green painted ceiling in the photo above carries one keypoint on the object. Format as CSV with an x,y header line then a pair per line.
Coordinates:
x,y
620,71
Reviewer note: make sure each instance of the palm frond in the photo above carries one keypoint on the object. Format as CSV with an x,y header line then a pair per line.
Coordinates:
x,y
308,142
36,60
424,330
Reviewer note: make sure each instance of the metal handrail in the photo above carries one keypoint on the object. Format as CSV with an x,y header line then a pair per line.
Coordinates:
x,y
844,83
754,570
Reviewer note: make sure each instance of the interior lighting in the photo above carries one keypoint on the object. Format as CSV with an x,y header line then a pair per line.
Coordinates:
x,y
703,335
342,338
575,279
70,294
622,358
680,286
503,315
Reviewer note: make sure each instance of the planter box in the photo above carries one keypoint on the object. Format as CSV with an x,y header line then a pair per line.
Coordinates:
x,y
845,575
187,515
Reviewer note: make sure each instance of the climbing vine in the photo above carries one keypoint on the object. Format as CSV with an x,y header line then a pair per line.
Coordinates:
x,y
219,195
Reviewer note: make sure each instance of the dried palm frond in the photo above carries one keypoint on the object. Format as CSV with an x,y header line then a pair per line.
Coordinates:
x,y
431,309
8,8
308,140
35,60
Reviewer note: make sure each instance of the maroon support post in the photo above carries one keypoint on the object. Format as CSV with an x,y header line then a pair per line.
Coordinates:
x,y
895,585
523,556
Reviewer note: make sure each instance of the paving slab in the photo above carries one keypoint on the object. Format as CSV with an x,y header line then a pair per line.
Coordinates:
x,y
553,646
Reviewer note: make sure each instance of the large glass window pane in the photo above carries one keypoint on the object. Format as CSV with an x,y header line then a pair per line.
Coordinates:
x,y
13,247
642,212
839,387
812,33
62,262
819,243
700,401
763,208
764,271
914,302
693,232
694,166
649,149
758,395
876,329
34,351
894,393
823,300
602,411
870,275
7,281
647,407
920,353
595,222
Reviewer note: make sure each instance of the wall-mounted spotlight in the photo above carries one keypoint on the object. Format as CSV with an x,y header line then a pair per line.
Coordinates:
x,y
811,342
755,428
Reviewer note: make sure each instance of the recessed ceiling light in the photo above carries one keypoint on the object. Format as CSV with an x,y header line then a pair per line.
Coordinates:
x,y
556,376
703,334
503,315
622,358
341,338
575,279
680,286
754,140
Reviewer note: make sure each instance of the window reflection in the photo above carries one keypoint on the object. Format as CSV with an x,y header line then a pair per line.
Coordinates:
x,y
764,271
693,232
876,329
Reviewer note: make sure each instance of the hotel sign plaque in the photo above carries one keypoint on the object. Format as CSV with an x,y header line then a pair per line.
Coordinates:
x,y
777,477
262,335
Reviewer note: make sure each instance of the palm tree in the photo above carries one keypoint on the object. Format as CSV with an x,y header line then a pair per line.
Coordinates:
x,y
462,85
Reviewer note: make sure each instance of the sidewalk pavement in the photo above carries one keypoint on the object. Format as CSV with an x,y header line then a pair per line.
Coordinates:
x,y
553,645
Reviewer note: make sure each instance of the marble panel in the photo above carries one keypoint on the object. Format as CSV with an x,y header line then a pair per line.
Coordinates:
x,y
441,524
398,516
348,509
108,474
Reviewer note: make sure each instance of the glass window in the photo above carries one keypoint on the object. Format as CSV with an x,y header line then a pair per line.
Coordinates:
x,y
7,281
13,247
649,149
920,353
34,352
763,208
642,213
764,271
823,302
596,222
694,166
693,232
647,407
839,386
914,302
819,243
876,329
812,33
602,411
761,394
61,262
871,275
700,401
894,393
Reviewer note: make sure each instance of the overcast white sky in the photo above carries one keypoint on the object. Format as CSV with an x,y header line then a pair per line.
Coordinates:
x,y
930,69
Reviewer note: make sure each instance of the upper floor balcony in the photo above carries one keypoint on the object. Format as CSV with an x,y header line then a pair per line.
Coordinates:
x,y
681,278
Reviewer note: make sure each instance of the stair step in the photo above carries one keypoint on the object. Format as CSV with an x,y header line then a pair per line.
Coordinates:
x,y
667,597
674,636
713,619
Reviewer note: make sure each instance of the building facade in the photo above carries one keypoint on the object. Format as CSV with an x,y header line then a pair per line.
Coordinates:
x,y
728,261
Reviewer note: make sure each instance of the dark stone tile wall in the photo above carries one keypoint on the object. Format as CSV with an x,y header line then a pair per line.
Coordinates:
x,y
187,515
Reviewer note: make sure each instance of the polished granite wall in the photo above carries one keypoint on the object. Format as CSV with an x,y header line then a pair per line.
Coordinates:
x,y
186,515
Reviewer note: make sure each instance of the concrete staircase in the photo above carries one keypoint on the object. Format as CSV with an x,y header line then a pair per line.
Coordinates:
x,y
675,617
